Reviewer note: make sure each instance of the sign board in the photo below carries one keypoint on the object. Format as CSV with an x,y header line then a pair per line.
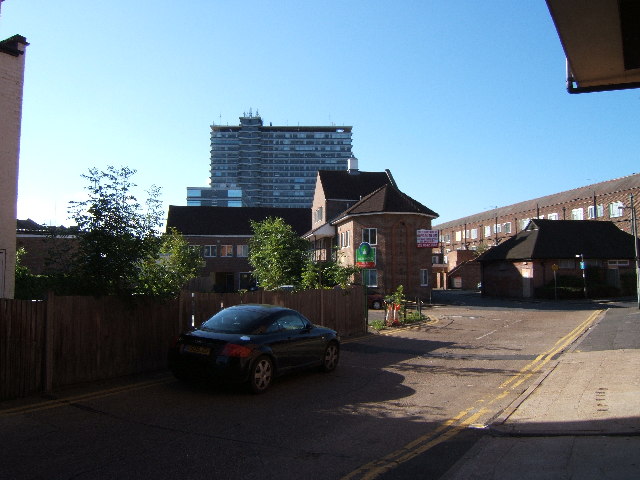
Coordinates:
x,y
365,256
427,238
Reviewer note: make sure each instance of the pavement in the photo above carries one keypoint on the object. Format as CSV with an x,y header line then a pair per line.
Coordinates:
x,y
579,420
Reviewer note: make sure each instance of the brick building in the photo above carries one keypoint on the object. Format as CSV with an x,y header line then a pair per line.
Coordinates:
x,y
607,201
11,87
47,249
222,234
594,253
351,208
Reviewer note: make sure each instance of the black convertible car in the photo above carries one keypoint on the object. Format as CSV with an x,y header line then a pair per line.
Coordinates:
x,y
253,344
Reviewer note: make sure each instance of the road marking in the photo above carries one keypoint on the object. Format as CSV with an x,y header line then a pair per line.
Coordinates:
x,y
544,358
486,334
468,417
61,402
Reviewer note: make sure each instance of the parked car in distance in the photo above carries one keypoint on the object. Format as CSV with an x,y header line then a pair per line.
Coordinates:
x,y
253,344
375,300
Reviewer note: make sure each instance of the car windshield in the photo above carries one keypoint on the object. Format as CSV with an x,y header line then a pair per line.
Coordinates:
x,y
238,320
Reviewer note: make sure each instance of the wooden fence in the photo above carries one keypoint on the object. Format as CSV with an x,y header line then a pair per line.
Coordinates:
x,y
48,344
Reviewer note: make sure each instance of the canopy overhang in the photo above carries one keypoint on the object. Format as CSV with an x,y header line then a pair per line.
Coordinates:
x,y
601,40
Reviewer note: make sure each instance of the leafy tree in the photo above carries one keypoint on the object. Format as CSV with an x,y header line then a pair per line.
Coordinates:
x,y
276,253
115,232
327,274
165,273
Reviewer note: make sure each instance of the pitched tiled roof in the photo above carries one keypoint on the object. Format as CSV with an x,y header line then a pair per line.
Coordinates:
x,y
343,185
232,220
387,199
610,186
555,239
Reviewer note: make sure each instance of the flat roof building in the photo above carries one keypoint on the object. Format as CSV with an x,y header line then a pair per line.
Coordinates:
x,y
254,165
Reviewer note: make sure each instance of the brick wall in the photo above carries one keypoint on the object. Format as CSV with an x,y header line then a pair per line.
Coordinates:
x,y
398,258
460,233
11,86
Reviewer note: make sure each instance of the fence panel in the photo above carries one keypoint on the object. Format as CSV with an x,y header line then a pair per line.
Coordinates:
x,y
98,338
342,310
21,354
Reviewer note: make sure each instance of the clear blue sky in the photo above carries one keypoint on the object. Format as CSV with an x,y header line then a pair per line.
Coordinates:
x,y
464,102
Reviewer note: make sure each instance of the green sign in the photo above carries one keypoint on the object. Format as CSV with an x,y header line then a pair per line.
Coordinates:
x,y
365,256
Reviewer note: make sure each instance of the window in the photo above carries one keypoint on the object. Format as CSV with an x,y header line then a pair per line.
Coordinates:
x,y
487,231
447,237
618,263
242,250
507,227
291,322
370,235
498,228
317,215
458,236
435,258
424,277
567,264
615,209
553,216
370,277
524,222
209,250
345,239
226,250
474,233
599,211
577,214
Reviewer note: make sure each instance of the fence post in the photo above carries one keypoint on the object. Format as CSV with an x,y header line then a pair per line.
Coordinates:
x,y
48,343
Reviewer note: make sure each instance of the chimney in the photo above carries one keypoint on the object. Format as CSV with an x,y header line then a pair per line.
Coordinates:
x,y
352,166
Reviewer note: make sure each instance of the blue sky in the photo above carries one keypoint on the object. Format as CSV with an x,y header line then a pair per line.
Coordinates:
x,y
464,102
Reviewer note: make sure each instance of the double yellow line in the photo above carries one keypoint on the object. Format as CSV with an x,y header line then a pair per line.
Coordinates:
x,y
469,416
49,404
544,358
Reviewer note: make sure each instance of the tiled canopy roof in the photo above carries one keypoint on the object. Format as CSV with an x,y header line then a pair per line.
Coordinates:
x,y
342,185
556,239
387,199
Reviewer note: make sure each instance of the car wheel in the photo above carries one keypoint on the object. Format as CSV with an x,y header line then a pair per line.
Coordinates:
x,y
331,357
376,305
261,374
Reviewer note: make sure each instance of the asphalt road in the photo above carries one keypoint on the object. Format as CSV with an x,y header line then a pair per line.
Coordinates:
x,y
403,404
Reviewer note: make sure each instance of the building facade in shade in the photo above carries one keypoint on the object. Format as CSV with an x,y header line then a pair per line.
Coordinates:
x,y
254,165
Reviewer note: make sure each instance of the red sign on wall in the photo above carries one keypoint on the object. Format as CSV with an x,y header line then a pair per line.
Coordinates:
x,y
427,238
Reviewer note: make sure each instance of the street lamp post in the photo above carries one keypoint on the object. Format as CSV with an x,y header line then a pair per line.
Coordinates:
x,y
583,267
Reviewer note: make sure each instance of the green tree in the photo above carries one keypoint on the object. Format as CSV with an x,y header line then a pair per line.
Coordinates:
x,y
276,253
115,231
165,272
327,274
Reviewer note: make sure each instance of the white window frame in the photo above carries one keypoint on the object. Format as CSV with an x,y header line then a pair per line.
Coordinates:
x,y
474,233
507,227
577,213
209,251
366,235
424,277
553,216
487,230
228,249
616,209
242,250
